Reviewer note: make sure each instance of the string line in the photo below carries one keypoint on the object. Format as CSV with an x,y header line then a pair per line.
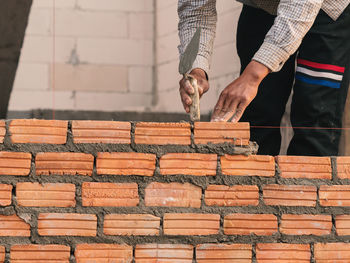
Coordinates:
x,y
301,128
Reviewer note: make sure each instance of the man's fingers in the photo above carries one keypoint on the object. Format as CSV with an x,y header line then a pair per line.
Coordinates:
x,y
231,112
218,108
188,87
185,98
223,110
200,91
239,112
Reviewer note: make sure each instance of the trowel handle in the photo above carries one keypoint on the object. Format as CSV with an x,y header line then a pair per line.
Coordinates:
x,y
195,114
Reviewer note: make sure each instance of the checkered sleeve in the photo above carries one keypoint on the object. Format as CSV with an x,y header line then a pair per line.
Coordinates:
x,y
294,19
194,14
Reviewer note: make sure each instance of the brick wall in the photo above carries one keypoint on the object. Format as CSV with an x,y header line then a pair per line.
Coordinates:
x,y
111,56
92,191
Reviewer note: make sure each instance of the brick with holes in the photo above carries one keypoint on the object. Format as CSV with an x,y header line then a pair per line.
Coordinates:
x,y
131,225
169,253
306,224
45,195
188,164
5,194
98,253
252,165
125,163
310,167
40,253
13,225
67,224
110,194
334,195
290,195
112,132
211,253
163,133
15,163
282,253
64,163
236,195
38,131
191,224
246,224
173,195
221,132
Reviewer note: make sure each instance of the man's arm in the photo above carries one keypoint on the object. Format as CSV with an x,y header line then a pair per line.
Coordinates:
x,y
194,14
293,21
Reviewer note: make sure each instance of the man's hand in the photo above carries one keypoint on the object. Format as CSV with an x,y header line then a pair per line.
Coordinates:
x,y
235,98
186,89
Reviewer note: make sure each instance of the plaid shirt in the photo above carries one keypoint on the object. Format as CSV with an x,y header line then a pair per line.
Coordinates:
x,y
294,19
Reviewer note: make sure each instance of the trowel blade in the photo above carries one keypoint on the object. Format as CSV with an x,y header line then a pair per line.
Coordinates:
x,y
190,53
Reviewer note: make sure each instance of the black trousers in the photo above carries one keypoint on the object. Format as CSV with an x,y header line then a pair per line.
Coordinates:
x,y
319,75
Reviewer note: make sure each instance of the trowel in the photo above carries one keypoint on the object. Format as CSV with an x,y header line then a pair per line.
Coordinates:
x,y
186,63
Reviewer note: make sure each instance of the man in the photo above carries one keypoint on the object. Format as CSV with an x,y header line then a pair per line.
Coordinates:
x,y
305,42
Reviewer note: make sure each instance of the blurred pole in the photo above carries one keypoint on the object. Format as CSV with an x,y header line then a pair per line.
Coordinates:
x,y
13,22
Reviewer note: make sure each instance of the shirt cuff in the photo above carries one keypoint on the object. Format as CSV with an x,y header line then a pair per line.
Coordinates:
x,y
271,56
202,63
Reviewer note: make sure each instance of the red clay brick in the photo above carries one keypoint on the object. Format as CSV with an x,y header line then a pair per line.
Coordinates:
x,y
38,131
2,132
188,164
64,163
290,195
221,132
15,163
126,164
306,225
283,253
342,225
163,133
309,167
334,195
161,253
131,225
191,224
343,167
13,226
332,252
173,194
237,195
5,194
102,253
37,195
110,194
113,132
40,253
2,254
59,224
246,224
252,165
215,253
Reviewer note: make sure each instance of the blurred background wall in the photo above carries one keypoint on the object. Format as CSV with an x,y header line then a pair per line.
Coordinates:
x,y
113,55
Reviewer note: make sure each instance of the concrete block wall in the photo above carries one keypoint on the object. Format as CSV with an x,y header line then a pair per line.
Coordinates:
x,y
98,191
111,55
103,54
